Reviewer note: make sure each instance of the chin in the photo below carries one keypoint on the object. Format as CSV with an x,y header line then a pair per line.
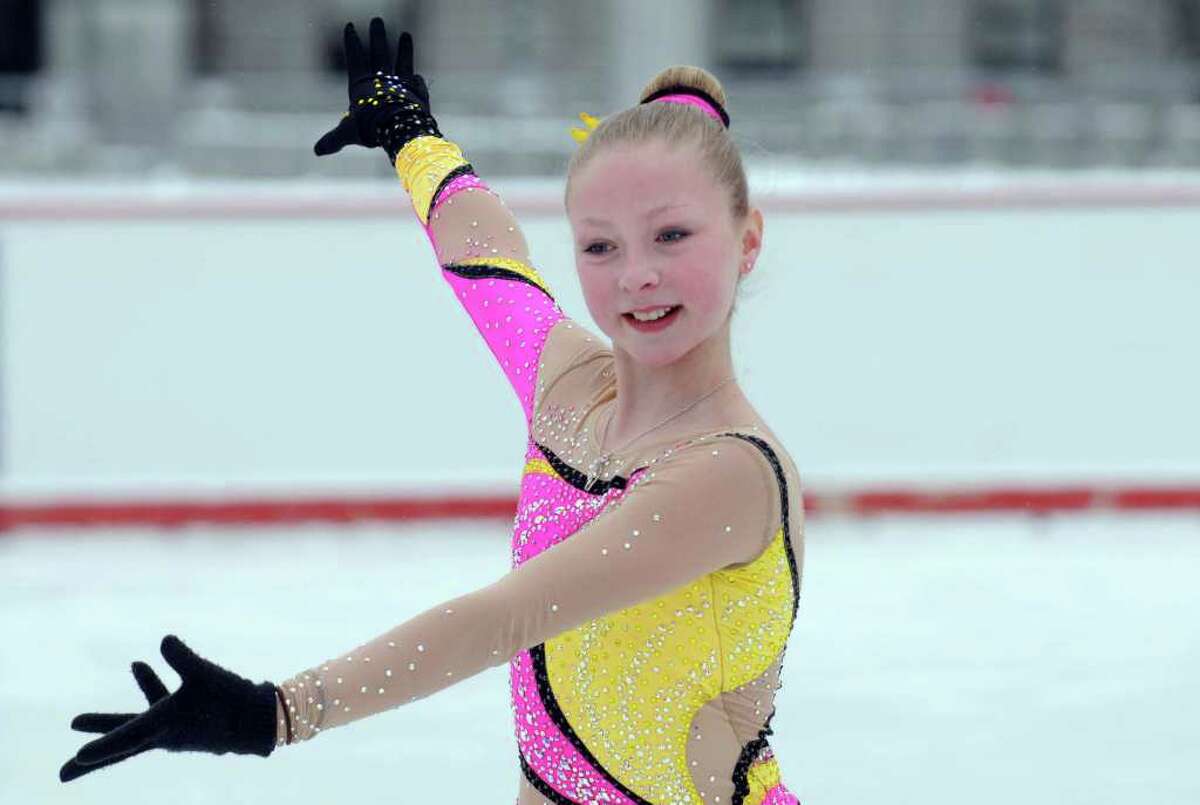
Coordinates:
x,y
656,359
653,355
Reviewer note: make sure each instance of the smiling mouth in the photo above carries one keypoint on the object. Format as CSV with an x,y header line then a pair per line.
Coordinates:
x,y
653,324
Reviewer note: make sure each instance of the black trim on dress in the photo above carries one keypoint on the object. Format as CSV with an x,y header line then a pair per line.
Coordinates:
x,y
578,479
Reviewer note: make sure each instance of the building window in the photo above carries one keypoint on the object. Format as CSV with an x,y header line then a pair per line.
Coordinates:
x,y
20,50
20,36
1017,35
206,38
760,37
1186,27
398,15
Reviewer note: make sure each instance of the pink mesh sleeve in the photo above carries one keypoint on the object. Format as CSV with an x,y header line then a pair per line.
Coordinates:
x,y
485,260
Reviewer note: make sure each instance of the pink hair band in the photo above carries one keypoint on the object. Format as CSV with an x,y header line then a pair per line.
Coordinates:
x,y
699,103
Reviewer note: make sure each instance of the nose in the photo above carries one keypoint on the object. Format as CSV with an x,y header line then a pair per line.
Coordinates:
x,y
637,276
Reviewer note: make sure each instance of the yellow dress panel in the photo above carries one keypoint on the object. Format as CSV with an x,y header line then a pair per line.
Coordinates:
x,y
631,682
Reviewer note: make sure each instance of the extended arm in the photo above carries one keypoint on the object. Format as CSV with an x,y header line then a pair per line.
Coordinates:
x,y
476,239
702,508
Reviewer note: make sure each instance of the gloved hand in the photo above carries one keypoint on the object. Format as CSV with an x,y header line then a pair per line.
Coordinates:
x,y
389,105
214,711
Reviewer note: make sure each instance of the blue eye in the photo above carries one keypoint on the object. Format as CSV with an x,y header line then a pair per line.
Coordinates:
x,y
683,234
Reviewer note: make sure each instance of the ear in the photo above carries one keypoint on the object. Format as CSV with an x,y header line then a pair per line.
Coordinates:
x,y
752,235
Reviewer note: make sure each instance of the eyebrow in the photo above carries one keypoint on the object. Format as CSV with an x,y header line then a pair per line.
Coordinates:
x,y
652,212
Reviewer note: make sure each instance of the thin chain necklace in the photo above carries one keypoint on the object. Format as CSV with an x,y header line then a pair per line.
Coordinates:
x,y
601,464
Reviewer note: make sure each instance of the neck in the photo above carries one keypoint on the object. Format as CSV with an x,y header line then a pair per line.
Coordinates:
x,y
647,395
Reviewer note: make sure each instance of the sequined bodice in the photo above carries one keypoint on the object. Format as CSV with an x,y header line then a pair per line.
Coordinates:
x,y
618,708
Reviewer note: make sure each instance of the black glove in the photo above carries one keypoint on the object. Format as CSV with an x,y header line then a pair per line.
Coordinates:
x,y
214,711
388,105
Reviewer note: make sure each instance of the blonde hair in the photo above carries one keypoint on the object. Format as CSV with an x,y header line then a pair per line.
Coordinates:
x,y
679,125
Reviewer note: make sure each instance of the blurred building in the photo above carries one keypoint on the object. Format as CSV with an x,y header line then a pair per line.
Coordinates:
x,y
244,88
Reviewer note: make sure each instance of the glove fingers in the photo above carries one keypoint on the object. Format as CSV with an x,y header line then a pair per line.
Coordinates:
x,y
73,768
180,657
422,91
100,722
356,58
379,47
404,56
149,682
334,140
136,734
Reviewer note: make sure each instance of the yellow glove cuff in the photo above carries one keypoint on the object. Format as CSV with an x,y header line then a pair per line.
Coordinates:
x,y
422,164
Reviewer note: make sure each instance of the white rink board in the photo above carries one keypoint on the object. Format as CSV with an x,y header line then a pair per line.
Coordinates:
x,y
235,351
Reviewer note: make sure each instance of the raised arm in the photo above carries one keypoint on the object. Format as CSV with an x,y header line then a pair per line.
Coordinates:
x,y
485,260
704,507
476,239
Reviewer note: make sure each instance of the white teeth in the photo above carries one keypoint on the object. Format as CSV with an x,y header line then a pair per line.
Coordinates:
x,y
652,315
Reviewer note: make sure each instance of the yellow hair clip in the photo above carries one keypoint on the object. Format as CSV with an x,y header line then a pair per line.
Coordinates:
x,y
581,134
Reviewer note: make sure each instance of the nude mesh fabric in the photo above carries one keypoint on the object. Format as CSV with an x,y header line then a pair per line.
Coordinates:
x,y
713,512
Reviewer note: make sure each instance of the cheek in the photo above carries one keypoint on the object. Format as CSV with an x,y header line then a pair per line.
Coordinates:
x,y
597,293
706,288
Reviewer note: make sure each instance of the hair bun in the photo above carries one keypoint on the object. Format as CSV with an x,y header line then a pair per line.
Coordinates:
x,y
691,80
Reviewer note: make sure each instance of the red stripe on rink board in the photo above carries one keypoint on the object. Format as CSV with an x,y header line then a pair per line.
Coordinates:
x,y
310,204
1158,499
249,512
999,500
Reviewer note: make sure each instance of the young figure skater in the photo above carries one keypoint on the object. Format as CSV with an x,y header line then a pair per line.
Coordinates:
x,y
657,545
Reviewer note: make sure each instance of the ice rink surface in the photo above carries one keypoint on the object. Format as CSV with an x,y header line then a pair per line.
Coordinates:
x,y
994,660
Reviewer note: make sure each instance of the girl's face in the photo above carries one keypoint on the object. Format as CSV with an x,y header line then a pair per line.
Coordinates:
x,y
652,230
